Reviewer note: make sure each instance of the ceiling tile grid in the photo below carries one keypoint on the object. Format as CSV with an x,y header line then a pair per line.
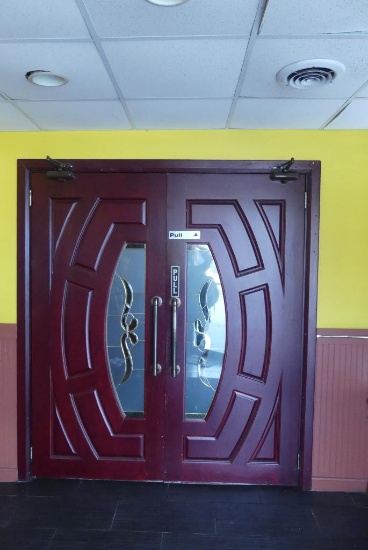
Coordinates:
x,y
272,114
76,115
272,54
355,116
79,61
197,68
315,17
41,19
203,64
13,120
134,18
183,114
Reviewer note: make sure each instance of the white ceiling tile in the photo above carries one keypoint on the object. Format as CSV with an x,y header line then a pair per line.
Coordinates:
x,y
120,18
159,114
283,113
41,19
272,54
80,62
315,17
11,120
77,115
354,117
177,68
364,91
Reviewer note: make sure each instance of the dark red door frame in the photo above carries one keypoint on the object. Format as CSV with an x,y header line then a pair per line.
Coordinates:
x,y
311,169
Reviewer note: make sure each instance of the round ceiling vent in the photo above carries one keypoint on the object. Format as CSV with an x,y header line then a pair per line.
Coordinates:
x,y
46,78
312,73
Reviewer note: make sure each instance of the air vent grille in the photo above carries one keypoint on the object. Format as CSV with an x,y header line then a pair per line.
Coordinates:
x,y
313,76
312,73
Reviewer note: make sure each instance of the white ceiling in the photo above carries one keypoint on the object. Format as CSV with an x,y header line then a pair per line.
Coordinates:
x,y
200,65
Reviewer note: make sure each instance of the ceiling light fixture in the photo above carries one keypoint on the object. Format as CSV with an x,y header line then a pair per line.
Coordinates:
x,y
311,73
46,78
167,3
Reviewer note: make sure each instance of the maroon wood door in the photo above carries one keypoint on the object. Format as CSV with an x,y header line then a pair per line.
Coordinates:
x,y
255,230
247,428
79,229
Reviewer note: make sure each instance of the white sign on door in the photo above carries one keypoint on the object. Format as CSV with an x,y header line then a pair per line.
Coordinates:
x,y
175,281
184,235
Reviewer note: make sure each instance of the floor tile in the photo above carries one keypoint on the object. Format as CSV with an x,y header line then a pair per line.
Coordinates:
x,y
75,515
175,541
25,539
41,488
97,540
260,519
52,512
213,493
360,499
11,488
306,543
175,517
52,487
8,508
122,490
342,521
292,496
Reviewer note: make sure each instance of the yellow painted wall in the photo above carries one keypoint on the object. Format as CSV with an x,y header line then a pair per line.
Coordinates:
x,y
343,274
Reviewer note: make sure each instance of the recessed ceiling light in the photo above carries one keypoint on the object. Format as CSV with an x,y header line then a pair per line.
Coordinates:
x,y
311,73
46,78
167,2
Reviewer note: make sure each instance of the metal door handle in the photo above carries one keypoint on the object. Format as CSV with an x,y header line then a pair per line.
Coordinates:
x,y
175,369
156,303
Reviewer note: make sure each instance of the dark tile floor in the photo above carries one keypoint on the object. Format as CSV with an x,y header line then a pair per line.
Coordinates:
x,y
93,515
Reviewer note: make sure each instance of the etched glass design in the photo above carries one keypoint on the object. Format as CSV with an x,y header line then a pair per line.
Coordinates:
x,y
125,329
206,331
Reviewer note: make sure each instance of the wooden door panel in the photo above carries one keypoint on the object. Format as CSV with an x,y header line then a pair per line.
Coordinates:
x,y
255,304
88,433
273,215
234,229
232,430
256,233
104,442
80,305
103,218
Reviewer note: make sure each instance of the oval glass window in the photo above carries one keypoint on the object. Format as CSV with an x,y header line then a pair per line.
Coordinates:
x,y
205,331
125,329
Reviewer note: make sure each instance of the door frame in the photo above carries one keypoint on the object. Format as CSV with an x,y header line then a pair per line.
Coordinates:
x,y
311,170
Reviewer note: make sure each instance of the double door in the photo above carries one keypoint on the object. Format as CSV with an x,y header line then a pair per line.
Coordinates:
x,y
167,327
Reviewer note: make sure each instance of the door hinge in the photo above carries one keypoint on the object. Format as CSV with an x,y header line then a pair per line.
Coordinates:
x,y
30,197
305,200
31,453
298,461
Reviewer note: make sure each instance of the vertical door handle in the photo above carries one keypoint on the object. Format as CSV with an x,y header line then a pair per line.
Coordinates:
x,y
156,303
175,303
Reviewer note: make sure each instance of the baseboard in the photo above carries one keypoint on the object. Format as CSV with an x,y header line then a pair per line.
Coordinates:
x,y
340,485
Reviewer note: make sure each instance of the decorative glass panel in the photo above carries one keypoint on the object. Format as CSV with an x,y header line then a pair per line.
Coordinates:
x,y
125,329
206,331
